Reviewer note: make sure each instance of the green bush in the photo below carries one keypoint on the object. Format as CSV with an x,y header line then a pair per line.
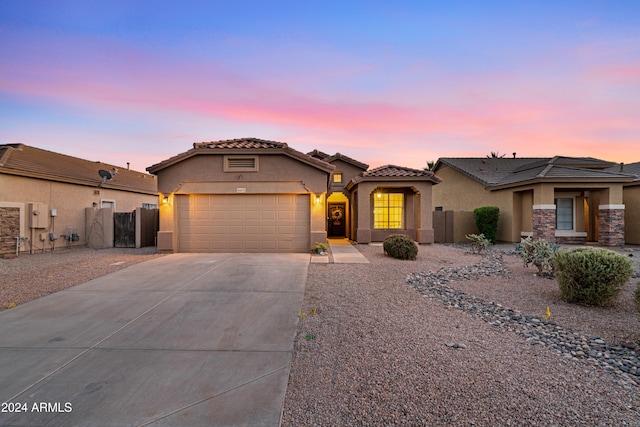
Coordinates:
x,y
400,246
486,219
477,242
591,276
538,252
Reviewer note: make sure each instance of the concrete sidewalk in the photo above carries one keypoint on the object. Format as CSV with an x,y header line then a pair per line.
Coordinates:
x,y
183,340
343,252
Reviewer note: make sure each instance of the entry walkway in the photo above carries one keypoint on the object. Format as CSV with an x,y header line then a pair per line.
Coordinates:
x,y
343,252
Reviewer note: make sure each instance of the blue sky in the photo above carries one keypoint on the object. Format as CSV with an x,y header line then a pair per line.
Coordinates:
x,y
383,82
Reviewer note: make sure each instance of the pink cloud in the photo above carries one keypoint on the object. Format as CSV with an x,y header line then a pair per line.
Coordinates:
x,y
533,113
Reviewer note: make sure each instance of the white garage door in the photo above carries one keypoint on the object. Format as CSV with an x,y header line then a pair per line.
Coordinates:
x,y
243,223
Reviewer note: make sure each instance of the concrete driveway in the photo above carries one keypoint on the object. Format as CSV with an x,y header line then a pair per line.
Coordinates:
x,y
183,340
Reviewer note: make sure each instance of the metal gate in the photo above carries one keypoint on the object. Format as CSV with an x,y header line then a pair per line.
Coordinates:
x,y
124,229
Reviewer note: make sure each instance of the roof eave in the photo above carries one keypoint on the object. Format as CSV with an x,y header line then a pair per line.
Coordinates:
x,y
76,181
539,180
288,151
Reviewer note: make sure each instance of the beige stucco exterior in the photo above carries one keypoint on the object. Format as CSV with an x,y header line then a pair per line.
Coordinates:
x,y
518,204
418,218
69,202
276,173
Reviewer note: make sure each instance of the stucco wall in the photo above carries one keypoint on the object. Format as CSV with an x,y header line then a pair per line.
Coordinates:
x,y
457,192
69,200
204,174
348,172
272,169
418,210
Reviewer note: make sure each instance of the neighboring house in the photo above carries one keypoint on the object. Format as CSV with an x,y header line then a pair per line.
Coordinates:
x,y
46,198
253,195
564,199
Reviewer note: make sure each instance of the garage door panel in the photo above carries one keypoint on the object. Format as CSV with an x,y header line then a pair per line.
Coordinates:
x,y
243,223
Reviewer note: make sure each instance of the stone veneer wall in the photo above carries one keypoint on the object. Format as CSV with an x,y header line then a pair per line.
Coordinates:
x,y
611,226
544,222
9,229
571,240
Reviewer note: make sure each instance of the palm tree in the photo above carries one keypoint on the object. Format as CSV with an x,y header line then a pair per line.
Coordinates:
x,y
496,155
430,166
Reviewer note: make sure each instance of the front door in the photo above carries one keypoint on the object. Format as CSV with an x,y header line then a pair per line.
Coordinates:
x,y
336,220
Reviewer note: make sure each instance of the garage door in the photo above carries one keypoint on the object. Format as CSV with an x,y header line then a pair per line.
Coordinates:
x,y
243,223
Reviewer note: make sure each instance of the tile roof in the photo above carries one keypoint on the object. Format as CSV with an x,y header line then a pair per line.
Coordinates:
x,y
240,143
318,154
631,168
235,145
395,173
499,172
338,156
347,159
24,160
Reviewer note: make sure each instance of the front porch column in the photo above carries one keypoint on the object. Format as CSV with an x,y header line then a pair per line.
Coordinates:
x,y
611,225
544,222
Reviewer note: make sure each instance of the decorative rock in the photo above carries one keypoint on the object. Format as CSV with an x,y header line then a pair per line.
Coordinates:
x,y
622,361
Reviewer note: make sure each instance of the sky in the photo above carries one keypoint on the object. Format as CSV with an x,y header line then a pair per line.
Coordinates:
x,y
384,82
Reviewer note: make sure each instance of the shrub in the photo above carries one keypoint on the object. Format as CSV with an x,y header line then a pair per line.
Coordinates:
x,y
477,242
538,252
486,219
400,246
591,276
636,296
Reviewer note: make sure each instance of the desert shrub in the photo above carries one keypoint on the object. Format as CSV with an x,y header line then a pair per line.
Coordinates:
x,y
591,276
539,253
400,246
477,242
486,219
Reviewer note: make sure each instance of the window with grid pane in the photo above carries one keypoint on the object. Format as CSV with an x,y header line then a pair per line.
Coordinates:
x,y
564,214
388,210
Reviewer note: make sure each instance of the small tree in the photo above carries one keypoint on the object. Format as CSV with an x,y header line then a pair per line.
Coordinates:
x,y
486,219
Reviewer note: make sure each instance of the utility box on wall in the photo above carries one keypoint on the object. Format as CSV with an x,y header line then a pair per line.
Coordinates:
x,y
38,215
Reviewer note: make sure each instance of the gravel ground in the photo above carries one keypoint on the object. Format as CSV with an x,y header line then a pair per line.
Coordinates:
x,y
381,352
397,342
28,277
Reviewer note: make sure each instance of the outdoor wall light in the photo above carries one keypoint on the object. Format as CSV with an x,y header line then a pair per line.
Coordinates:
x,y
318,199
165,200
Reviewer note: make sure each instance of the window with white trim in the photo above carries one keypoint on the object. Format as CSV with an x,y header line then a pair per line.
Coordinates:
x,y
564,213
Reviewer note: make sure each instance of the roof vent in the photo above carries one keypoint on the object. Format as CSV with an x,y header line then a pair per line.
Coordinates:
x,y
241,163
621,166
514,155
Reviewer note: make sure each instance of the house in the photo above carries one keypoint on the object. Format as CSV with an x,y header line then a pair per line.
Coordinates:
x,y
564,199
50,200
254,195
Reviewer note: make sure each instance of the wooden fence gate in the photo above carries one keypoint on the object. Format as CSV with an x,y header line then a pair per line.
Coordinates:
x,y
124,229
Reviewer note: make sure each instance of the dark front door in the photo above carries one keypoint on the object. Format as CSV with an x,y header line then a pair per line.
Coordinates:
x,y
337,220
